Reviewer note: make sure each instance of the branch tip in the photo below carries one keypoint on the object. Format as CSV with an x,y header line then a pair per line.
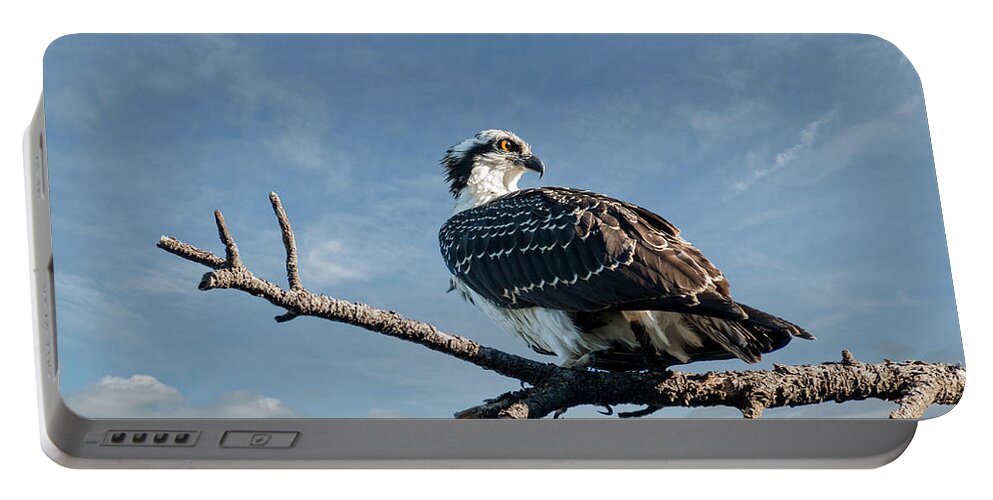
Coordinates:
x,y
207,282
752,409
287,316
189,252
289,243
230,248
848,358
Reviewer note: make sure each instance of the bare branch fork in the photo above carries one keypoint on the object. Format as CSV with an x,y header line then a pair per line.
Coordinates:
x,y
913,385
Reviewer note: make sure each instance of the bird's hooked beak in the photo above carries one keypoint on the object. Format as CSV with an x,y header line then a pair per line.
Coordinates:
x,y
534,164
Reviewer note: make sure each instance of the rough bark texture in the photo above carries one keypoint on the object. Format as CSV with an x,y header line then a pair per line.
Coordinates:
x,y
913,385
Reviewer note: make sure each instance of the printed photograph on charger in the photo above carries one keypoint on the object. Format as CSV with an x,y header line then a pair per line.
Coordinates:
x,y
498,226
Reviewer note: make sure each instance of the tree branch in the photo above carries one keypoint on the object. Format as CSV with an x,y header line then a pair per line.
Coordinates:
x,y
232,259
913,385
289,242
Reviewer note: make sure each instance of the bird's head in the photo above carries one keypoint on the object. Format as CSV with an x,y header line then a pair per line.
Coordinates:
x,y
488,164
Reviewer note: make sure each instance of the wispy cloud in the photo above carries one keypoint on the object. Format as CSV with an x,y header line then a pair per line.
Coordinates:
x,y
247,404
882,132
749,258
159,276
93,309
362,246
738,115
784,158
144,396
334,261
849,306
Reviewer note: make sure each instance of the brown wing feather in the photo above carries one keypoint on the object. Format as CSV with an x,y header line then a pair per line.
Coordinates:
x,y
577,250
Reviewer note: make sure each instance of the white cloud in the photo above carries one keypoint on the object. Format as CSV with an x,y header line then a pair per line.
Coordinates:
x,y
169,276
84,306
144,396
136,396
849,306
741,114
333,261
80,110
881,133
789,155
356,248
307,146
296,118
822,155
247,404
749,258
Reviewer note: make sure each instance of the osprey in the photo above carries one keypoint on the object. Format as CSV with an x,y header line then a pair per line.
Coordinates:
x,y
593,280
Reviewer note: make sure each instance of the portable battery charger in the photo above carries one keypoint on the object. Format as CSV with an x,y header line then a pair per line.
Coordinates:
x,y
486,251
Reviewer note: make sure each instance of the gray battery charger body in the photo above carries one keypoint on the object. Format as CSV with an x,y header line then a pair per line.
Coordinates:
x,y
76,440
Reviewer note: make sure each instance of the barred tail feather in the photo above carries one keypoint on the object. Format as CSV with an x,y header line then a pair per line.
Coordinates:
x,y
763,320
705,338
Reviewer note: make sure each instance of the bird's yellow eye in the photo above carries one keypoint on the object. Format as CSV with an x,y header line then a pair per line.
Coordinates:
x,y
504,145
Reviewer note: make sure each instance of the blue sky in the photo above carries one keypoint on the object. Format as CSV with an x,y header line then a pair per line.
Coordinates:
x,y
800,165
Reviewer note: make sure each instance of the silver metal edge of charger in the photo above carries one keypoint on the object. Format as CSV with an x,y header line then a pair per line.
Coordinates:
x,y
79,442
